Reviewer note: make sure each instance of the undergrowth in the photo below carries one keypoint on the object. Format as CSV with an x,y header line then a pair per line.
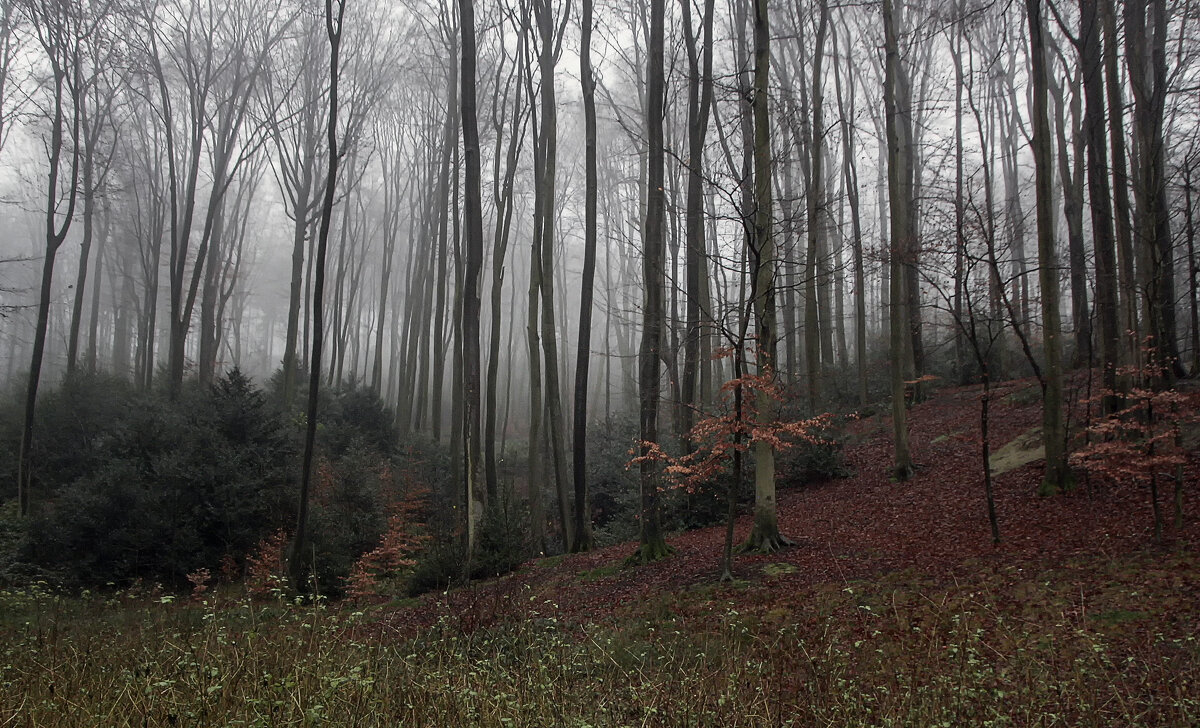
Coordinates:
x,y
1086,644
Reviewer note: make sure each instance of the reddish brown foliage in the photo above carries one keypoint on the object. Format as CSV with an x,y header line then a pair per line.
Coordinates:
x,y
393,556
1142,440
717,437
265,572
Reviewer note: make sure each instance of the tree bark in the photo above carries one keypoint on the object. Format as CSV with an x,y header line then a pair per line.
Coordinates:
x,y
474,486
582,527
653,544
765,535
1054,435
900,207
1103,238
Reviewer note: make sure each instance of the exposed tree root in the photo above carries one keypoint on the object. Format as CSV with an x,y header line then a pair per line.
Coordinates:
x,y
761,542
648,553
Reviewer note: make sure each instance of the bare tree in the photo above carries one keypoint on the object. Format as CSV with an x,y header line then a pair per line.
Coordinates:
x,y
334,15
60,29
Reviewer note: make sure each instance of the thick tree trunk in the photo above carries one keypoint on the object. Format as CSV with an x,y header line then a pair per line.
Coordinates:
x,y
653,545
765,535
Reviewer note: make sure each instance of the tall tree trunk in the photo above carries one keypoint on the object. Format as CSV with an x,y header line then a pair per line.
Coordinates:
x,y
91,356
699,106
1070,172
58,36
1193,269
846,112
473,486
85,248
765,535
900,206
653,544
1103,237
816,320
536,465
554,408
1054,435
1122,210
583,524
960,207
503,197
297,564
449,189
1145,51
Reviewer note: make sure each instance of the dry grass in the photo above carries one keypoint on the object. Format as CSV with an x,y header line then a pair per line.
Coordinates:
x,y
1084,644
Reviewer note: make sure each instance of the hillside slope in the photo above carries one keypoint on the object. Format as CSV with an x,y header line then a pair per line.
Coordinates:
x,y
859,527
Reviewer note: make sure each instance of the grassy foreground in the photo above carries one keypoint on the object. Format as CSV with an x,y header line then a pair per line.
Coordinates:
x,y
1086,643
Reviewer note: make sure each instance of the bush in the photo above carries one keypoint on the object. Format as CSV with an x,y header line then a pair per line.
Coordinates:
x,y
502,547
348,513
815,462
162,488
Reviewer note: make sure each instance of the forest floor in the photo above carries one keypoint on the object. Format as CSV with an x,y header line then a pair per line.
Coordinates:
x,y
866,525
893,608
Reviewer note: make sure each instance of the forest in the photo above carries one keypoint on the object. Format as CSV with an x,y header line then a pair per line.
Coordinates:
x,y
599,362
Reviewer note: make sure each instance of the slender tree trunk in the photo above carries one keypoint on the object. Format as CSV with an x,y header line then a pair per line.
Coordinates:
x,y
1070,173
61,46
1122,209
583,524
900,205
449,172
960,207
816,319
556,423
91,356
297,557
697,306
503,196
474,486
1103,238
846,112
1193,269
85,250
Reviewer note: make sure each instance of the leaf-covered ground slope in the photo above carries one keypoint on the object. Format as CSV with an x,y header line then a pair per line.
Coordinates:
x,y
866,527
